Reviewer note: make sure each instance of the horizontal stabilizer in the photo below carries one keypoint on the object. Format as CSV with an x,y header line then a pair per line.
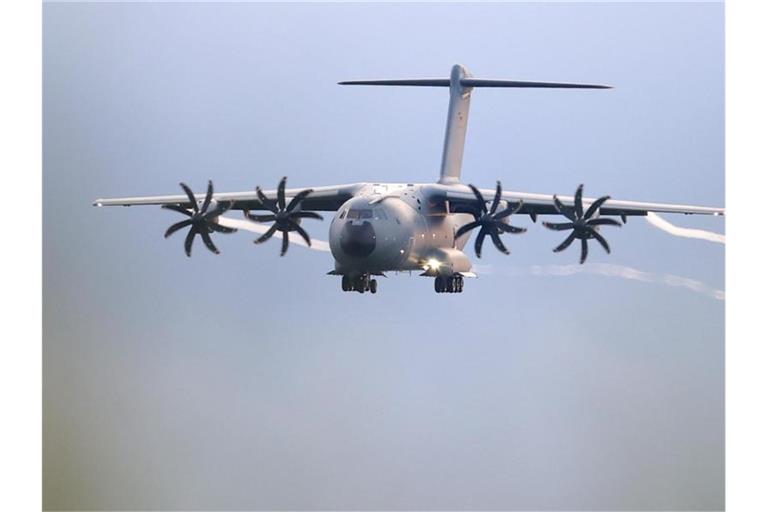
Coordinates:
x,y
460,85
485,82
423,82
476,82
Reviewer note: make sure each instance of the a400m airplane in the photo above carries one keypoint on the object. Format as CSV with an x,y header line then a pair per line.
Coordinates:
x,y
383,227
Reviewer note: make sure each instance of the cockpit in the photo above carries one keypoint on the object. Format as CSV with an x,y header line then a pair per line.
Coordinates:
x,y
363,213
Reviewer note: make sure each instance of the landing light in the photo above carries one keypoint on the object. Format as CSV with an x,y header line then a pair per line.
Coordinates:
x,y
432,264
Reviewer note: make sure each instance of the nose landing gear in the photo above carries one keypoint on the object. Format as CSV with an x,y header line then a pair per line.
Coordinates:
x,y
449,284
360,284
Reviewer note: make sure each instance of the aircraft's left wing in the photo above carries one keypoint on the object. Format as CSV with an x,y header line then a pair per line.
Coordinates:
x,y
462,198
326,198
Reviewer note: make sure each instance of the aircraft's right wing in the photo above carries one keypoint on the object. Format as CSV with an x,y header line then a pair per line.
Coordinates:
x,y
287,207
326,198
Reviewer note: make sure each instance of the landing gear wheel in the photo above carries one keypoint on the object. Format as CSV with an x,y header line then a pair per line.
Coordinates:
x,y
346,285
372,286
439,284
360,284
450,284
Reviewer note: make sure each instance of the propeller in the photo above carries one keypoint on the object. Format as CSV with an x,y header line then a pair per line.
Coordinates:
x,y
285,217
582,224
201,219
490,221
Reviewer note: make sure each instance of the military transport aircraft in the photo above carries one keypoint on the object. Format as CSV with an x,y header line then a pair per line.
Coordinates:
x,y
385,227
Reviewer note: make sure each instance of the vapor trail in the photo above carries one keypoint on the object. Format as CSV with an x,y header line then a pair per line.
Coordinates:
x,y
603,269
609,270
656,221
254,227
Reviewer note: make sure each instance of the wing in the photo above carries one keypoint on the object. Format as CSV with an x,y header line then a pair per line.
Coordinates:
x,y
326,198
461,198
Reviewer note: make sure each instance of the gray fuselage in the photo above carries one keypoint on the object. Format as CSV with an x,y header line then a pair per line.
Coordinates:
x,y
395,227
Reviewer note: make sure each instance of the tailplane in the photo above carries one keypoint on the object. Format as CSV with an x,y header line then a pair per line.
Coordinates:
x,y
461,84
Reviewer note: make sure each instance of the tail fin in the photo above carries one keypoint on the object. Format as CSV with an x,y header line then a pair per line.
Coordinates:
x,y
461,84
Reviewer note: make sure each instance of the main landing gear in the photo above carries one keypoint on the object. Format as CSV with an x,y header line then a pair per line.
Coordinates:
x,y
360,284
449,284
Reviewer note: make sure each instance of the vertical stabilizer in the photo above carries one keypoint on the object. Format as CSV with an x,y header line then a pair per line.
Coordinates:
x,y
455,126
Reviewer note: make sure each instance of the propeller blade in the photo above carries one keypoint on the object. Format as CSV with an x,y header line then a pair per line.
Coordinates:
x,y
259,218
480,198
266,236
595,206
509,210
307,215
602,221
498,243
284,248
171,230
191,196
479,242
208,197
600,239
221,229
281,193
558,226
188,241
562,209
565,243
510,229
177,208
269,205
466,228
577,202
496,198
297,199
301,232
584,250
208,242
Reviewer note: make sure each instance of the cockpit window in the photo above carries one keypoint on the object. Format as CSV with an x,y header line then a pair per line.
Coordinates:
x,y
376,213
360,214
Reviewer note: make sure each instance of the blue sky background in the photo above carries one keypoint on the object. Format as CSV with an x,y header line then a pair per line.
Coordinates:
x,y
249,381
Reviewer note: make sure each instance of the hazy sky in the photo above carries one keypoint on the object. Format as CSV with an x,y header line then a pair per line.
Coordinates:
x,y
249,381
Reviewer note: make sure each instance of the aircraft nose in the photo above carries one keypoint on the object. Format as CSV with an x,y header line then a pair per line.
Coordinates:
x,y
358,240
